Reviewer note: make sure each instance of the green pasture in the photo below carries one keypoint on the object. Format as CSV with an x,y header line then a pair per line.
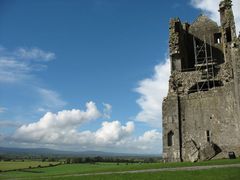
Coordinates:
x,y
212,174
14,165
69,170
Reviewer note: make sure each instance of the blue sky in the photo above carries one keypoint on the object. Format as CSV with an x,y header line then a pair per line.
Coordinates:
x,y
58,55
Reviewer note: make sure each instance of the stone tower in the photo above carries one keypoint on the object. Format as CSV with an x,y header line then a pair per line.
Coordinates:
x,y
201,113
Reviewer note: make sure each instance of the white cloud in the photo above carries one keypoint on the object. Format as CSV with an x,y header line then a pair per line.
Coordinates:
x,y
61,130
150,139
150,136
56,127
35,54
149,142
50,100
112,132
152,91
210,7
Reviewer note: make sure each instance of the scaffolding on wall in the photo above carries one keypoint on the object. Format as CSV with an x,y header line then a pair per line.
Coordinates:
x,y
204,63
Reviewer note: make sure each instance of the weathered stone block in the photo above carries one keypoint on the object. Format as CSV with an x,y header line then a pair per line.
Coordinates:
x,y
207,151
192,151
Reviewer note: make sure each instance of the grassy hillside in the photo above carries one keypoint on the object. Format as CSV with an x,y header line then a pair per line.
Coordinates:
x,y
72,169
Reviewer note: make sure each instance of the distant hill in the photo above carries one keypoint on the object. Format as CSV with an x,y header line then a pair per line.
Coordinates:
x,y
52,152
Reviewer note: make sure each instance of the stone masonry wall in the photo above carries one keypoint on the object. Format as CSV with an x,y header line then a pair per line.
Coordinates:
x,y
203,123
211,111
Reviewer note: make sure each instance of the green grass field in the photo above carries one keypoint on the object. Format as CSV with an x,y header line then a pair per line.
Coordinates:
x,y
71,169
213,174
13,165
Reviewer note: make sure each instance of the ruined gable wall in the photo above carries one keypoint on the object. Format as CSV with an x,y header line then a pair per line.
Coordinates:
x,y
204,29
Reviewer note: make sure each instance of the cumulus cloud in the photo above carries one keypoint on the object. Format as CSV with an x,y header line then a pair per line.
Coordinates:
x,y
149,142
62,130
210,7
152,91
112,132
35,54
150,139
53,127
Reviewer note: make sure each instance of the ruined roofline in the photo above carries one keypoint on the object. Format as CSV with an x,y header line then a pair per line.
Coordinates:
x,y
207,17
224,4
177,19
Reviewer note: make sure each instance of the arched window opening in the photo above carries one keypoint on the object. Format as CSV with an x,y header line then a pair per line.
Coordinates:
x,y
170,138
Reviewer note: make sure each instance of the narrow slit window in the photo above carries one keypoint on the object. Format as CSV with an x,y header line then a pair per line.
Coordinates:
x,y
170,138
208,136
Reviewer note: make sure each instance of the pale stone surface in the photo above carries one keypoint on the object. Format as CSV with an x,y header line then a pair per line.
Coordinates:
x,y
192,151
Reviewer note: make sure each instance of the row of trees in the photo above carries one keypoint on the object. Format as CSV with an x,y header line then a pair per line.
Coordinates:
x,y
73,160
109,159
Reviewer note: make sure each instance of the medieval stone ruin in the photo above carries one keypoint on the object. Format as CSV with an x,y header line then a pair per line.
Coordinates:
x,y
201,113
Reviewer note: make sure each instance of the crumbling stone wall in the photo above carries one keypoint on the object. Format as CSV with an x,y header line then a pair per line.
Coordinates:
x,y
183,81
199,123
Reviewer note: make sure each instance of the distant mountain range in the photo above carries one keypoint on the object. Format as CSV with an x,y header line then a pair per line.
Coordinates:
x,y
52,152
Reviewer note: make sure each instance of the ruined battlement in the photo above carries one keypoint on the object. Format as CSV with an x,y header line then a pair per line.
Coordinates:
x,y
201,111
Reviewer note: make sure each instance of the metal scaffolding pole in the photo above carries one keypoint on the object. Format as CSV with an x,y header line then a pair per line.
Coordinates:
x,y
204,63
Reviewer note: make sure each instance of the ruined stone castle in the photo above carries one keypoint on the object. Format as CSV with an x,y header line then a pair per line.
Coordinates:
x,y
201,113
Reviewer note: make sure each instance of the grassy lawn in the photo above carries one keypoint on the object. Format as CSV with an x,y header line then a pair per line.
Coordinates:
x,y
12,165
70,169
212,174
